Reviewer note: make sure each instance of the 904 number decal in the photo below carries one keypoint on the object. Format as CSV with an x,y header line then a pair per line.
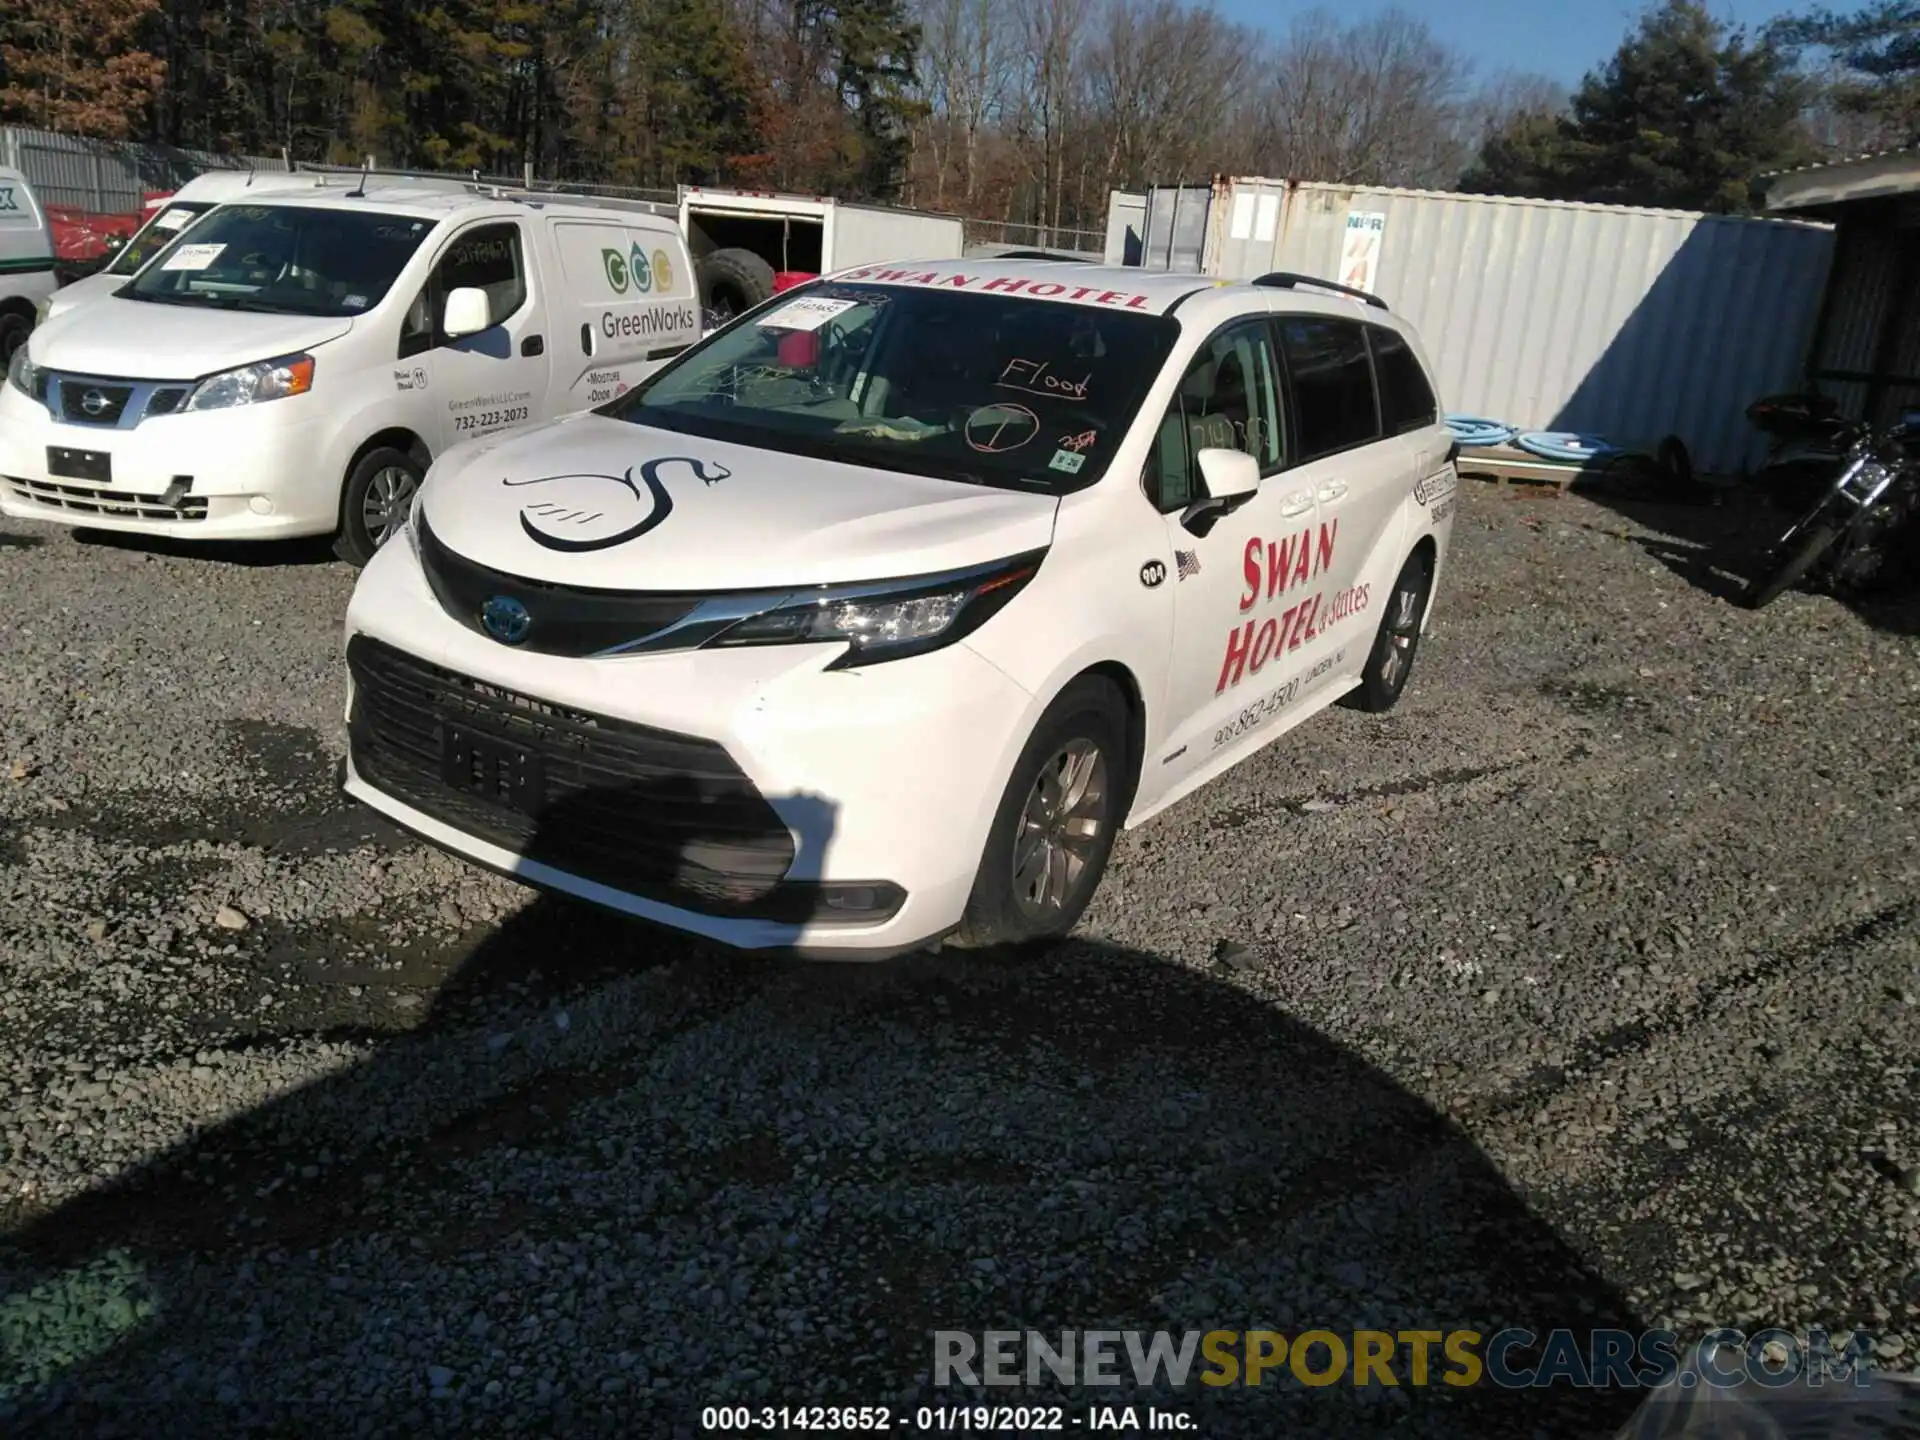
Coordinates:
x,y
491,419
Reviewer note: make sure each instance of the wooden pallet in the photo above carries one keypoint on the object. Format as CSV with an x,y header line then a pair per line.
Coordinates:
x,y
1509,465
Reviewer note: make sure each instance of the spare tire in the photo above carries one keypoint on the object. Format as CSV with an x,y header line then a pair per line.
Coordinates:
x,y
731,283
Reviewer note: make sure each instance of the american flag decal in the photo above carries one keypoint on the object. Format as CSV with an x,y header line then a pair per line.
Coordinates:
x,y
1187,562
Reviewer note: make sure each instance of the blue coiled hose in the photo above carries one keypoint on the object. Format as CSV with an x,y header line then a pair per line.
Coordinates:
x,y
1565,445
1476,430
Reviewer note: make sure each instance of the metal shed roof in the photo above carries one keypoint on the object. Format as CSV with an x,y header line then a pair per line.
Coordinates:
x,y
1877,176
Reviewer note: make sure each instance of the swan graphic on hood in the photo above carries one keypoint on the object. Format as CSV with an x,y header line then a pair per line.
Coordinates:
x,y
583,511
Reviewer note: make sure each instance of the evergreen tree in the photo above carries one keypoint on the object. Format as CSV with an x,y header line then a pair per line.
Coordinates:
x,y
1879,50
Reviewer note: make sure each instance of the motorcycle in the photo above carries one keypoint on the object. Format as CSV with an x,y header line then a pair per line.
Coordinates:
x,y
1854,523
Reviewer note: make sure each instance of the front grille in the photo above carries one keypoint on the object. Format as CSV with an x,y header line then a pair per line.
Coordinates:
x,y
165,402
566,619
84,402
109,504
649,812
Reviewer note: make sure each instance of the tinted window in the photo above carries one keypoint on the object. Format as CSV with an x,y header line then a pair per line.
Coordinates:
x,y
1406,397
1228,399
487,258
282,259
988,388
1332,382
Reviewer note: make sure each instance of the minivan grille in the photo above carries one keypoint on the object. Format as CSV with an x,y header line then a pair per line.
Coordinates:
x,y
665,816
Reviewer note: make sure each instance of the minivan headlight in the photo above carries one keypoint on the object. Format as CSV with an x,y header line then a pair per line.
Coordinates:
x,y
26,377
890,620
254,384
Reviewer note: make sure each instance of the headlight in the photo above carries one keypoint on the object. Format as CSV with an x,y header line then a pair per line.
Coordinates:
x,y
889,620
254,384
26,377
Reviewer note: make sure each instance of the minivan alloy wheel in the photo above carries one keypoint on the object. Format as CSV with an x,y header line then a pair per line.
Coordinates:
x,y
1060,828
1403,631
390,492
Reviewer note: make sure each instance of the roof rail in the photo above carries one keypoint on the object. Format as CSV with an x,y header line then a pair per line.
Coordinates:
x,y
1287,280
598,202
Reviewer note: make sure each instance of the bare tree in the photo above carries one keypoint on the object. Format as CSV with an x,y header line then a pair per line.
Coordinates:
x,y
1050,36
965,58
1159,83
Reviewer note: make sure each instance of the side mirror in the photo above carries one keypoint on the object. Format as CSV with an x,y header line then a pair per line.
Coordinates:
x,y
467,312
1229,474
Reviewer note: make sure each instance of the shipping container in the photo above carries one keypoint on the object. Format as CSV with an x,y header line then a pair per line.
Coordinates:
x,y
1549,315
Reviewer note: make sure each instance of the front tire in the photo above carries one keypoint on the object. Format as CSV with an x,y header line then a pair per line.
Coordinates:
x,y
1056,824
378,494
1817,541
1390,662
14,330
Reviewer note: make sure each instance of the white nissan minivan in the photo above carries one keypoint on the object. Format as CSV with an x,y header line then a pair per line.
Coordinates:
x,y
866,624
291,364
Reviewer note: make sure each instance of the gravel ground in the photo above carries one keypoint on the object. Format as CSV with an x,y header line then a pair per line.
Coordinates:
x,y
1583,989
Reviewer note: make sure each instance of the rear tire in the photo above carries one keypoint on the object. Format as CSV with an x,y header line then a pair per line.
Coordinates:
x,y
1056,824
378,494
14,330
1818,540
1390,662
732,282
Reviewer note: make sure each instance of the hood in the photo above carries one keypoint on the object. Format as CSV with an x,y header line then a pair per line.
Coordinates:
x,y
141,340
88,287
607,505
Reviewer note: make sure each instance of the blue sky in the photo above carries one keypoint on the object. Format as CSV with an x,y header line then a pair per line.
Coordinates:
x,y
1562,39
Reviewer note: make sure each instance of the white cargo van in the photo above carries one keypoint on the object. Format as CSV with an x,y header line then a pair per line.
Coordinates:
x,y
174,214
290,365
26,261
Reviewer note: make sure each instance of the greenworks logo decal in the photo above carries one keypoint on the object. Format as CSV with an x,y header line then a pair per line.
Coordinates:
x,y
629,271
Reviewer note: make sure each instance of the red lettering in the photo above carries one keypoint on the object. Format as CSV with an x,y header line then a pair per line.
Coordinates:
x,y
1004,282
1234,666
1107,297
1081,293
862,273
1264,645
959,281
1279,557
931,277
1308,609
1137,302
891,275
1327,532
1252,569
1047,289
1302,559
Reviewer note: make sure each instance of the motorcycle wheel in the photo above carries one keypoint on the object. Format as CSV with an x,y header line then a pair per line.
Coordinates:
x,y
1814,542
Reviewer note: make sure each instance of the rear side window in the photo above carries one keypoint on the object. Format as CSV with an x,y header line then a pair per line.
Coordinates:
x,y
1331,376
1406,396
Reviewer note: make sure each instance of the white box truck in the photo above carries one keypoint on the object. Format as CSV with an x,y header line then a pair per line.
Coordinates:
x,y
747,244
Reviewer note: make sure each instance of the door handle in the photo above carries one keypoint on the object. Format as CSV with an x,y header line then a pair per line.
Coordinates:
x,y
586,339
534,345
1333,490
1297,503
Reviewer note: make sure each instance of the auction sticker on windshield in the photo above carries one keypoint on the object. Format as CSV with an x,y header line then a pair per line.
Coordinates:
x,y
808,314
172,219
193,257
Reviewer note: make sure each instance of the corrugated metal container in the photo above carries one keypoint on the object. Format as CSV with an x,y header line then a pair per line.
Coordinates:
x,y
1543,314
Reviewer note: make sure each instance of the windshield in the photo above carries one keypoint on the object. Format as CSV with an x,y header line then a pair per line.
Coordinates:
x,y
991,389
283,260
148,240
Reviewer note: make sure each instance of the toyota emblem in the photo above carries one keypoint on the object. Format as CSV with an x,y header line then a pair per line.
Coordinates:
x,y
505,619
94,402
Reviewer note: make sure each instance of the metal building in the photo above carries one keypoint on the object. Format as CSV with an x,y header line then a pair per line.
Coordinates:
x,y
1866,343
1630,323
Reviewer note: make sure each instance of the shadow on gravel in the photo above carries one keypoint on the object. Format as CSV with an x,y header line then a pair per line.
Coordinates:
x,y
592,1204
1722,549
21,542
256,554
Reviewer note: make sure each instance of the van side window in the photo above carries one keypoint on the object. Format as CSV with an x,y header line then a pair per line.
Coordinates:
x,y
416,330
1331,375
487,258
1229,399
1406,395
